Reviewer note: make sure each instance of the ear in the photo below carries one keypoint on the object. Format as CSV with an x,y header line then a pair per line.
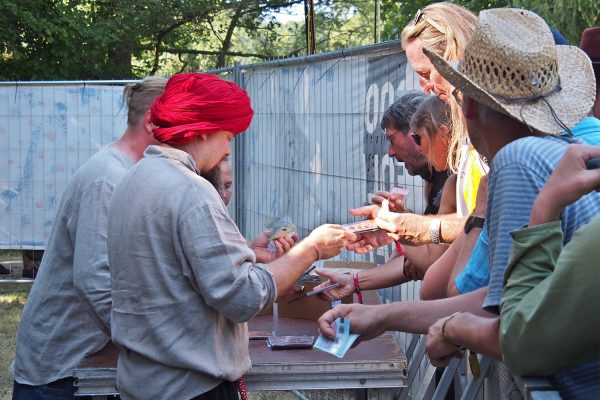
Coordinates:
x,y
147,124
470,108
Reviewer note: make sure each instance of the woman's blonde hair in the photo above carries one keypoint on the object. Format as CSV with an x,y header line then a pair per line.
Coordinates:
x,y
431,115
445,28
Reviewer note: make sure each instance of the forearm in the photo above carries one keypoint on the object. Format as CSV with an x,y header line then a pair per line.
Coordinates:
x,y
436,279
417,316
389,274
424,256
477,333
414,229
464,254
287,269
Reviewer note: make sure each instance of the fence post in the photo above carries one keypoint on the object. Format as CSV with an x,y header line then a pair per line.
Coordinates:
x,y
240,159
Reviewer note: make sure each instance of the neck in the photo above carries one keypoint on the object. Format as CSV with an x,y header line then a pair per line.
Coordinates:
x,y
195,150
133,143
498,138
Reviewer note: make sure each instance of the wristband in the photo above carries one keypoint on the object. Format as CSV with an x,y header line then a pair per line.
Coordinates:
x,y
435,227
445,339
473,360
400,249
357,288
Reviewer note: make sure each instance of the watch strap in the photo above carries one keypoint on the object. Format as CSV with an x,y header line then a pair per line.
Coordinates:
x,y
474,222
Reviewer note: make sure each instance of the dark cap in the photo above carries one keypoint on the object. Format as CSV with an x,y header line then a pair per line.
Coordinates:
x,y
590,44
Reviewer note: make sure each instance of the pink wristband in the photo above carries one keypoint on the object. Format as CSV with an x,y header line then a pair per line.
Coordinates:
x,y
357,288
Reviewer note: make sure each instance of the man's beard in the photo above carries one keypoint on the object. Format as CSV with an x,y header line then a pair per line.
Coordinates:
x,y
213,175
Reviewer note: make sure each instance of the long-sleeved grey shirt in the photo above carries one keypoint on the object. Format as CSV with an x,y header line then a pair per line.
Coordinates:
x,y
184,281
67,313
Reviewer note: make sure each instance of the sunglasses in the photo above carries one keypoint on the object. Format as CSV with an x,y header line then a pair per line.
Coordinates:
x,y
420,15
416,137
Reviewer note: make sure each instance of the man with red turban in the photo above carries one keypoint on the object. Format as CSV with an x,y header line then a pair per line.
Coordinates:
x,y
184,279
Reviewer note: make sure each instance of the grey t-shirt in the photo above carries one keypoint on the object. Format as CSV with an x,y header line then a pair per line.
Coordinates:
x,y
184,281
67,313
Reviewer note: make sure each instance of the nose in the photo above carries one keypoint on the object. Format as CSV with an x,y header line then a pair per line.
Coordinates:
x,y
426,85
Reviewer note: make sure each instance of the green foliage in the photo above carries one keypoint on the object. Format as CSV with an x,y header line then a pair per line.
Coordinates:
x,y
106,39
570,17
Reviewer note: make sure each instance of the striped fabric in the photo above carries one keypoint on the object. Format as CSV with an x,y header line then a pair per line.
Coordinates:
x,y
580,382
518,172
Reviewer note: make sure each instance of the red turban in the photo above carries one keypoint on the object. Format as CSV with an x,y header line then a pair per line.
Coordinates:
x,y
195,103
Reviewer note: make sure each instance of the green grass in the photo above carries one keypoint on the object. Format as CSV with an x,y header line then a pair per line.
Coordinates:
x,y
12,299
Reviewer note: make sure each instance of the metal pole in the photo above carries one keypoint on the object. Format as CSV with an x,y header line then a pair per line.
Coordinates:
x,y
377,36
238,78
309,24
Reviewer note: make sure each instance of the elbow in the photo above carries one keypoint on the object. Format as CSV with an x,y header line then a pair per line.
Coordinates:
x,y
452,290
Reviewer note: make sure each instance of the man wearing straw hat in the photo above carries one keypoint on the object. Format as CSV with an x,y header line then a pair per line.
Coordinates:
x,y
519,92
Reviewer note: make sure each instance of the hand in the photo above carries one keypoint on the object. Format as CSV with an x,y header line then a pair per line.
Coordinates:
x,y
440,354
396,202
346,287
411,271
329,240
399,226
368,241
263,254
569,181
367,321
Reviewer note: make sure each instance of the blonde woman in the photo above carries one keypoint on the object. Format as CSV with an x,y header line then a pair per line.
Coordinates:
x,y
446,28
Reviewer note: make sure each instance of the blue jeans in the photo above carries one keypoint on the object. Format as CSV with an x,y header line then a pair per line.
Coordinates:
x,y
61,389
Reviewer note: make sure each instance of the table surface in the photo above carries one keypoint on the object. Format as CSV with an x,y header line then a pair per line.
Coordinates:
x,y
377,363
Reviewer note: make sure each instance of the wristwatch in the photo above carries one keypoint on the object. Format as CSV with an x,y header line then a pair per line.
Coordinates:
x,y
473,222
434,230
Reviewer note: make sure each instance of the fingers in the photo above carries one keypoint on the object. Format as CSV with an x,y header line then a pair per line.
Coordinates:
x,y
286,243
385,224
326,321
326,274
379,197
367,211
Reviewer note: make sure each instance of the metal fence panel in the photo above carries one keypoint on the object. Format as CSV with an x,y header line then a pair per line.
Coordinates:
x,y
47,130
314,149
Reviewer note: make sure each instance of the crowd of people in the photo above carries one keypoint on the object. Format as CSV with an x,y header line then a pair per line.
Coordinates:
x,y
144,252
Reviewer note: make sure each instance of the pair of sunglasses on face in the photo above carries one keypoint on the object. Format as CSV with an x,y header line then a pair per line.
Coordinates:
x,y
414,135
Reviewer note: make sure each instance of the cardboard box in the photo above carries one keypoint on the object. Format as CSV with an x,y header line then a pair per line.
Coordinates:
x,y
306,308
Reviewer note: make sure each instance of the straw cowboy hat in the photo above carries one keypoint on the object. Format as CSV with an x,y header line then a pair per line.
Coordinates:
x,y
512,65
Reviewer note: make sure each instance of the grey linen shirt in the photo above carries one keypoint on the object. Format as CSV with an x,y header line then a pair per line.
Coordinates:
x,y
67,313
184,281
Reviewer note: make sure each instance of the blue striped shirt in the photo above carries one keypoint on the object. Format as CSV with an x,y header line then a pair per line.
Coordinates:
x,y
517,174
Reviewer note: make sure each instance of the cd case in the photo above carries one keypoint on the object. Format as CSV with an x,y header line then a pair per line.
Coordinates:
x,y
290,342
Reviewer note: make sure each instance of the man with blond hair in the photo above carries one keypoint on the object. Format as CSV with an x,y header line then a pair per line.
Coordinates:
x,y
67,314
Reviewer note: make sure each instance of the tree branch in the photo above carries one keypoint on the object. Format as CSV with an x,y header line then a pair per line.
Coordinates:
x,y
206,52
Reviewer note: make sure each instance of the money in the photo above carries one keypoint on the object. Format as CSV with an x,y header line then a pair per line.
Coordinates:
x,y
343,339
